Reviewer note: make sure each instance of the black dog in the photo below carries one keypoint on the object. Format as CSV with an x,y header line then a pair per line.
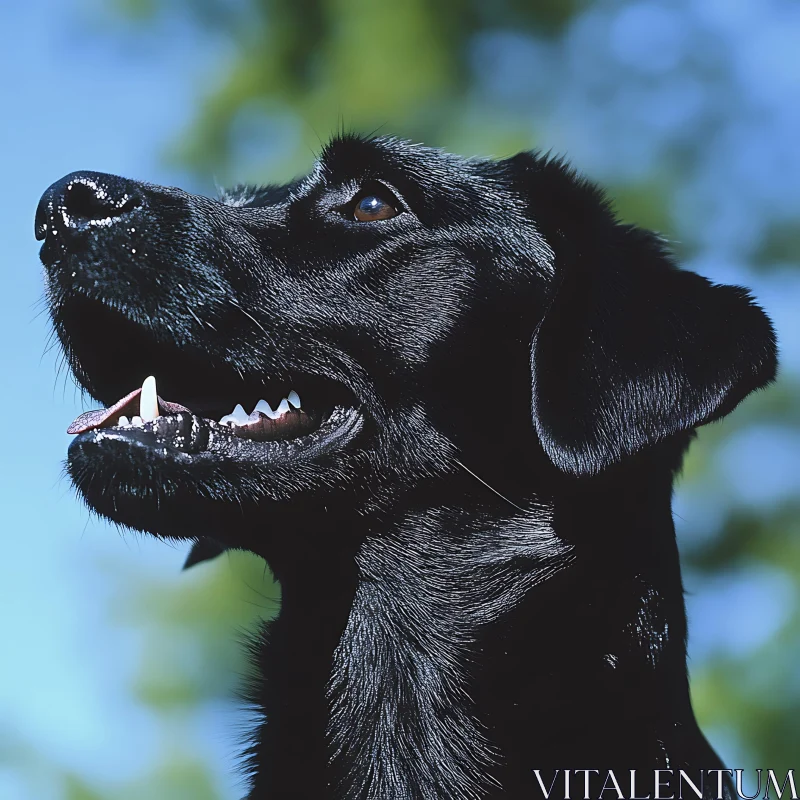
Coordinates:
x,y
478,387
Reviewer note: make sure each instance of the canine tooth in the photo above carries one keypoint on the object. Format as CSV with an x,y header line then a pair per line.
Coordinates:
x,y
148,400
137,421
123,421
294,398
265,408
282,408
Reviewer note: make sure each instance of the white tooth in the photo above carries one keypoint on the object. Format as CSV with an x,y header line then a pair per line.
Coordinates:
x,y
148,400
137,421
294,398
254,416
239,414
282,408
237,417
122,422
264,407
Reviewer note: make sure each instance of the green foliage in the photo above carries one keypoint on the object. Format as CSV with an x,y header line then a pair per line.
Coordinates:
x,y
780,246
76,789
401,67
197,629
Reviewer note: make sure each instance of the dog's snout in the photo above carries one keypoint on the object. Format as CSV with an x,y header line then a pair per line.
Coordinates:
x,y
84,200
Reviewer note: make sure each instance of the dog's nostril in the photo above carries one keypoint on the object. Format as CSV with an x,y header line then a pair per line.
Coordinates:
x,y
82,200
86,202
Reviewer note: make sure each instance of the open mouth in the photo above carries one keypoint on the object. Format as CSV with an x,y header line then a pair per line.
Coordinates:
x,y
270,430
205,406
286,421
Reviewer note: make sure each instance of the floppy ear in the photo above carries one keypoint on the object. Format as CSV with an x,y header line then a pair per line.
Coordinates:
x,y
631,349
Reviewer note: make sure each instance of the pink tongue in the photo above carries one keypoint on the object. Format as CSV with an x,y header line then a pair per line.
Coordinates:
x,y
106,417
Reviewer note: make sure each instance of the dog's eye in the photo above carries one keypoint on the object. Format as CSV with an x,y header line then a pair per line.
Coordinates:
x,y
372,207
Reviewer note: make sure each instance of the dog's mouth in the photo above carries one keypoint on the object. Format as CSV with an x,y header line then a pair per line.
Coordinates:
x,y
191,405
143,409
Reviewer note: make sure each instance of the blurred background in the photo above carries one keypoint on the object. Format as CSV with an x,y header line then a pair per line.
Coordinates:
x,y
117,671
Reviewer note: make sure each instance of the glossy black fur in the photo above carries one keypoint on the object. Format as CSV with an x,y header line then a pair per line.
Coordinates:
x,y
482,578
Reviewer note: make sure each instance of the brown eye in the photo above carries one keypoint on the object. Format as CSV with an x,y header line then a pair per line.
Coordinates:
x,y
372,207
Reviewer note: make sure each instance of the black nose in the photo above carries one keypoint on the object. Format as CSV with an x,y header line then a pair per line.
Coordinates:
x,y
81,201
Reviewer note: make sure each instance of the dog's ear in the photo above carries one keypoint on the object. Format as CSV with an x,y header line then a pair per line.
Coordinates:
x,y
631,349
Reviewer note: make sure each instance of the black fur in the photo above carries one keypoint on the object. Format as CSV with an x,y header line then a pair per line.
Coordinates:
x,y
478,566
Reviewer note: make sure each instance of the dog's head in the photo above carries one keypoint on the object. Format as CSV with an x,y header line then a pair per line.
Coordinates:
x,y
329,343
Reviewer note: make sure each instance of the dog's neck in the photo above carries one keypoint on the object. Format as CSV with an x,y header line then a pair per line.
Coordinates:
x,y
459,648
401,675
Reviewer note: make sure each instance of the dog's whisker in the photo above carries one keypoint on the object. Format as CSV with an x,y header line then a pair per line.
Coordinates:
x,y
489,486
196,318
248,315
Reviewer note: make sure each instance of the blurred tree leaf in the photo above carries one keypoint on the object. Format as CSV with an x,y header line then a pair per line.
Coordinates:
x,y
196,624
780,246
76,789
400,67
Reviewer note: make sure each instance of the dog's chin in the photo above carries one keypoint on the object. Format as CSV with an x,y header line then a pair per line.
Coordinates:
x,y
181,475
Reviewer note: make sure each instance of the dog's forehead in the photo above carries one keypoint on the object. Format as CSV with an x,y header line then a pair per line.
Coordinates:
x,y
441,187
354,157
352,160
438,185
349,159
